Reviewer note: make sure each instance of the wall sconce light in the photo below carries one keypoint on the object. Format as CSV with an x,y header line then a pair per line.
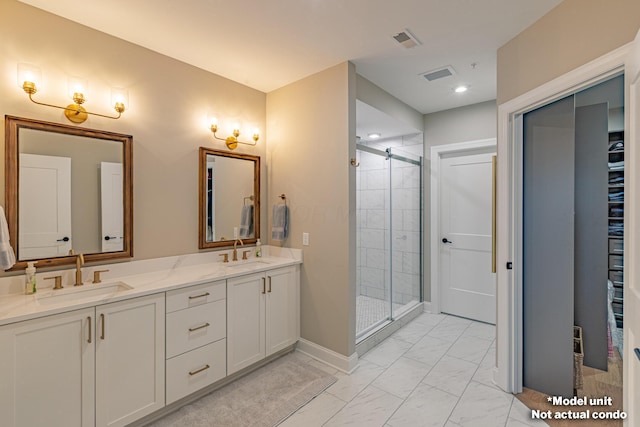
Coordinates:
x,y
233,141
29,78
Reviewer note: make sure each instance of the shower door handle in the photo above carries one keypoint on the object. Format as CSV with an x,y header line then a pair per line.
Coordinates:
x,y
445,240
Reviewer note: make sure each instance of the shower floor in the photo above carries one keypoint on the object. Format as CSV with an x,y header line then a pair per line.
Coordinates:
x,y
369,311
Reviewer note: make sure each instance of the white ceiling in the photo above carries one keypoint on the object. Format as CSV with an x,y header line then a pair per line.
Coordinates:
x,y
269,44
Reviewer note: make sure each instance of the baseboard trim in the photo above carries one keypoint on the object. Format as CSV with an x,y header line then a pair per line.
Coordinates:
x,y
340,362
427,306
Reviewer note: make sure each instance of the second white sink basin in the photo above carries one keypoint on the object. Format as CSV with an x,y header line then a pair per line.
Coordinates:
x,y
77,293
245,263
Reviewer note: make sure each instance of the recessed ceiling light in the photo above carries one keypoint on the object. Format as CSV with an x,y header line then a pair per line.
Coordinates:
x,y
461,89
374,135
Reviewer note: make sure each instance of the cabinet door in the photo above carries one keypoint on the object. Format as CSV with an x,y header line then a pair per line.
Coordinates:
x,y
129,360
47,371
282,309
245,321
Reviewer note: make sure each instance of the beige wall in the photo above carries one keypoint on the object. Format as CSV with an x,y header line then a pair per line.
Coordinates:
x,y
572,34
169,103
311,139
378,98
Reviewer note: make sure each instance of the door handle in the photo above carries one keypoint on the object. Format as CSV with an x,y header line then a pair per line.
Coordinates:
x,y
102,321
110,237
445,240
64,239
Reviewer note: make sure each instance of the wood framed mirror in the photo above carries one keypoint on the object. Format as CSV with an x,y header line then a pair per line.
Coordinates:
x,y
67,188
229,198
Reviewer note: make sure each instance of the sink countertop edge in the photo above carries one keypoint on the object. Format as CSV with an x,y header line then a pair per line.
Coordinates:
x,y
17,307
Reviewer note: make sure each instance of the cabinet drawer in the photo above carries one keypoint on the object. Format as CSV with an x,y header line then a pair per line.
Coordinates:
x,y
615,262
616,246
196,369
195,295
195,327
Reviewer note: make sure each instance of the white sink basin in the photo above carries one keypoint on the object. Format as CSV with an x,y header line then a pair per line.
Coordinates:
x,y
245,263
84,292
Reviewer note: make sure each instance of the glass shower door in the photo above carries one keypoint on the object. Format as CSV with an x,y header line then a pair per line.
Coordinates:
x,y
373,278
388,236
406,230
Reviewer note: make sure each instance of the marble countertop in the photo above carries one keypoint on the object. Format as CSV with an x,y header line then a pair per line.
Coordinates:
x,y
131,281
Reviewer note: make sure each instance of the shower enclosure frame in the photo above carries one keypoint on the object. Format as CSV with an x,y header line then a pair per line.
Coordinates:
x,y
389,155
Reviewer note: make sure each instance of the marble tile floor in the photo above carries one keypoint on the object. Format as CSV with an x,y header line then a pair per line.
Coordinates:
x,y
435,371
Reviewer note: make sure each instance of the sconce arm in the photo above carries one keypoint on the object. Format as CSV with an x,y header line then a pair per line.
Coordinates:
x,y
78,109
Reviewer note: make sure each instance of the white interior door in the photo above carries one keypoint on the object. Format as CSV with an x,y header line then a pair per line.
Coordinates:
x,y
467,286
631,368
112,206
44,206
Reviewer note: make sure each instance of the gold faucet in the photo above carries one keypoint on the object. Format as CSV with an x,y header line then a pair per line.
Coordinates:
x,y
235,251
79,264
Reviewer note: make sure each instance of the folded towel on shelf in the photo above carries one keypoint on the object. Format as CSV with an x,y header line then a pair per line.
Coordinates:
x,y
616,179
280,222
246,222
617,196
616,212
616,230
7,255
616,146
616,165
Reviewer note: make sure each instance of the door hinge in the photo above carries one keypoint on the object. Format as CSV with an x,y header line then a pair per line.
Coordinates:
x,y
509,265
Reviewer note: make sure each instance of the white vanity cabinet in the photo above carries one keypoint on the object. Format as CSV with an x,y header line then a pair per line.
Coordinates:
x,y
47,371
196,344
263,315
130,354
101,366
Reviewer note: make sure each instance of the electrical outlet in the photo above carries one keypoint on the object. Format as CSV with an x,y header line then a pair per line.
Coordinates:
x,y
305,239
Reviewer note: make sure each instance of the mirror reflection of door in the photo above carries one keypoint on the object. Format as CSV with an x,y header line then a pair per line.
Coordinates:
x,y
44,206
112,207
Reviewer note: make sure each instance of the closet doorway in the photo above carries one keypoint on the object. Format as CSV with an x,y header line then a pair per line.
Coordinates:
x,y
573,250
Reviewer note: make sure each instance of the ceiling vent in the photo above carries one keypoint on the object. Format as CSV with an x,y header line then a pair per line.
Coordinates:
x,y
406,39
439,73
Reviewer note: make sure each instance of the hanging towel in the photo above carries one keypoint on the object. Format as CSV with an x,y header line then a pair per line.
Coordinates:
x,y
280,222
7,256
246,222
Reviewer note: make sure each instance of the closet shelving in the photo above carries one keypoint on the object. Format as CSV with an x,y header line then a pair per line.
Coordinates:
x,y
616,220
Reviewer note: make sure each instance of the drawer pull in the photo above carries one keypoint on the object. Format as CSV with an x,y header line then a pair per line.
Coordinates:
x,y
199,327
269,285
206,294
197,371
264,286
89,319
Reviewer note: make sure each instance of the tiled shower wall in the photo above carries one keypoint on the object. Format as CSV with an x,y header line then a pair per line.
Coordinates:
x,y
374,239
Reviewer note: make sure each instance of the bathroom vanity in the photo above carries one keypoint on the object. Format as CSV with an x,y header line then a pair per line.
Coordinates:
x,y
153,334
